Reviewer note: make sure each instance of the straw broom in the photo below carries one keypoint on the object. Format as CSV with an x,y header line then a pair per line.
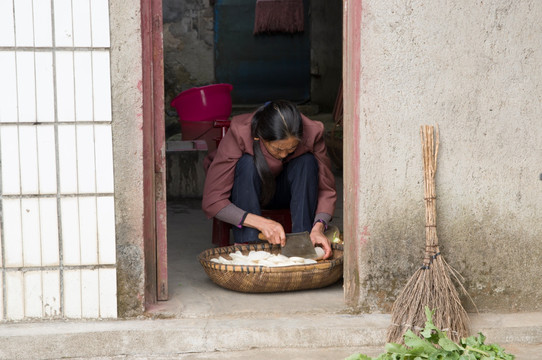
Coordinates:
x,y
431,284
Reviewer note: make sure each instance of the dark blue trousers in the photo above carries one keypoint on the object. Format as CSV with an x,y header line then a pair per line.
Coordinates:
x,y
296,189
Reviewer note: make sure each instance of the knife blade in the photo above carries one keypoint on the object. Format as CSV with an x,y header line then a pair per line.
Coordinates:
x,y
297,244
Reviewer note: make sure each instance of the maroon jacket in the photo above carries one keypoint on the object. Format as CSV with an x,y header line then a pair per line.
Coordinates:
x,y
220,166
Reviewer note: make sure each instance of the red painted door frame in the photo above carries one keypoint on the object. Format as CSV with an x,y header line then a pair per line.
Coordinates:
x,y
154,167
353,234
155,213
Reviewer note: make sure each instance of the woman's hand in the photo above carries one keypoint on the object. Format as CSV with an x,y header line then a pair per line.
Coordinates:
x,y
318,238
272,231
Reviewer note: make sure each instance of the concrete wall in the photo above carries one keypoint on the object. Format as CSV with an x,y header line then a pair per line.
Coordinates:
x,y
473,68
126,75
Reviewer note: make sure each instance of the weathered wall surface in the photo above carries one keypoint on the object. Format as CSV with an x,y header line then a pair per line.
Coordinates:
x,y
473,68
126,75
188,51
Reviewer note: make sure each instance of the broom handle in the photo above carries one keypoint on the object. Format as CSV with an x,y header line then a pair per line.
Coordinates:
x,y
430,153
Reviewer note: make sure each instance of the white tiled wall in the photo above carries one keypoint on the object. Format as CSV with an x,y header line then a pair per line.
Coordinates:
x,y
57,229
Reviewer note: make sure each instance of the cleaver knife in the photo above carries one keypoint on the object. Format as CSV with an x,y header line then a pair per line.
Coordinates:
x,y
297,244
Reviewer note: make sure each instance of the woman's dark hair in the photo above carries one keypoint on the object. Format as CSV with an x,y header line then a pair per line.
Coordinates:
x,y
276,120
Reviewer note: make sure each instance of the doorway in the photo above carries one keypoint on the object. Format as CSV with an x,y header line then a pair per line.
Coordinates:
x,y
191,293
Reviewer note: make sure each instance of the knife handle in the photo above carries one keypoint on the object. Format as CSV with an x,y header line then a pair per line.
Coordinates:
x,y
261,237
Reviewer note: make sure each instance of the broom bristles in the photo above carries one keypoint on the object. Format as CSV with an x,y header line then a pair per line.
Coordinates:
x,y
431,285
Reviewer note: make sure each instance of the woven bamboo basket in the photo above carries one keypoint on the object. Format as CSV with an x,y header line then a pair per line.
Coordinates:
x,y
265,279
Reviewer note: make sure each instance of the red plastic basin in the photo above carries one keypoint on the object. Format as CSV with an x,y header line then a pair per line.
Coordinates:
x,y
205,103
198,108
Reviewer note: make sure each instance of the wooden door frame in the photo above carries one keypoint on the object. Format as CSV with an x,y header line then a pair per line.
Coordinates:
x,y
354,235
154,163
154,168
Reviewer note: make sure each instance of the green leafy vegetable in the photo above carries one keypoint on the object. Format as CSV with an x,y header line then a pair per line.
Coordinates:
x,y
434,344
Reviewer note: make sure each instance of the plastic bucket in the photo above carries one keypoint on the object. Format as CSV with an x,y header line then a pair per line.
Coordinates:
x,y
199,107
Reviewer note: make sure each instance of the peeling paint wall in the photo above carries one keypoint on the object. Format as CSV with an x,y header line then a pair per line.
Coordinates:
x,y
473,68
